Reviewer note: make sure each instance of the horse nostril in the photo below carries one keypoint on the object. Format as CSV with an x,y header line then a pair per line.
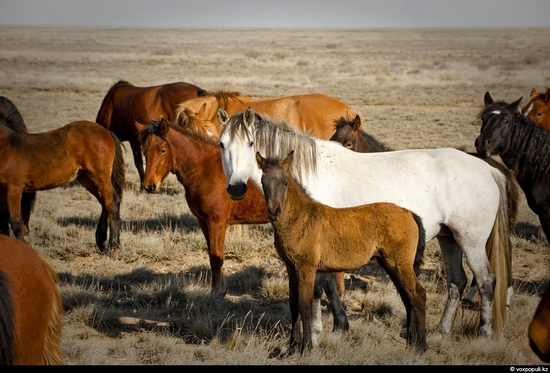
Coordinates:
x,y
151,187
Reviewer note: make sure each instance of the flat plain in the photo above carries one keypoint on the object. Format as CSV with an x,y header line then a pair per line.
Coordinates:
x,y
148,303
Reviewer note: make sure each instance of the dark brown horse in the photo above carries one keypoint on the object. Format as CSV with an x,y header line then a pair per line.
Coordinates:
x,y
31,312
82,150
350,135
124,104
196,161
11,117
538,108
311,237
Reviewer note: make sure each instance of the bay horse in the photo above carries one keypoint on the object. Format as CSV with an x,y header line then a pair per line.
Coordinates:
x,y
311,113
340,239
11,117
195,160
460,199
539,328
538,108
351,136
31,311
125,103
40,161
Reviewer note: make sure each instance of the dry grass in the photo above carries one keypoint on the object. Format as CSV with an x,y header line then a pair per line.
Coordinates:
x,y
149,303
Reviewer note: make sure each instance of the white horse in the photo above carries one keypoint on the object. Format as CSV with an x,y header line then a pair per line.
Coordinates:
x,y
460,199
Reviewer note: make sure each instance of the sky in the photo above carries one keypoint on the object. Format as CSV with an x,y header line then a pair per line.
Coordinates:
x,y
277,13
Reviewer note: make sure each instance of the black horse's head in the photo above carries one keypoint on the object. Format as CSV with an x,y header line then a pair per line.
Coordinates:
x,y
497,119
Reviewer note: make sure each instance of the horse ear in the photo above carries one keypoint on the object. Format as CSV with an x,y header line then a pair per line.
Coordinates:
x,y
261,161
356,123
533,92
163,125
287,162
201,111
222,116
547,95
488,99
249,116
515,105
139,126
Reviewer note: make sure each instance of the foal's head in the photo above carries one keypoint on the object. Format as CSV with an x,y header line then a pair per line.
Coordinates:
x,y
275,179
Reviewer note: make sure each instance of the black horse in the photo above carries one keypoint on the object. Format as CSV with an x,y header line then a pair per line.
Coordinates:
x,y
524,147
11,117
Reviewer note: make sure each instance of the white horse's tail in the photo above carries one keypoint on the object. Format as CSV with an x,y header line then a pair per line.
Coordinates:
x,y
499,252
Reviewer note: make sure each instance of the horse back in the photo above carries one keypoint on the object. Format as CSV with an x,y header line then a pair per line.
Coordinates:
x,y
37,308
124,104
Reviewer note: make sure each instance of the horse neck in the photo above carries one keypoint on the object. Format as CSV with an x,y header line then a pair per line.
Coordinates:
x,y
369,144
235,104
527,155
189,154
298,208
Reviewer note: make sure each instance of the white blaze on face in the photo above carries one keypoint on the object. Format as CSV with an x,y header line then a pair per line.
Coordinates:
x,y
527,109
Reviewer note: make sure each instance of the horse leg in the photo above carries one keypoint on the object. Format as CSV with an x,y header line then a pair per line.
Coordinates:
x,y
13,200
4,213
105,198
413,295
295,333
451,254
486,281
214,233
306,281
27,205
329,283
138,161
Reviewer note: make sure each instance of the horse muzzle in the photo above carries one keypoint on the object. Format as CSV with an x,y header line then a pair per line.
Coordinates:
x,y
237,191
151,187
482,147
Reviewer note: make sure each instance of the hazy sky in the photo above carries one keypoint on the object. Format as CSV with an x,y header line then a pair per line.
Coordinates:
x,y
277,13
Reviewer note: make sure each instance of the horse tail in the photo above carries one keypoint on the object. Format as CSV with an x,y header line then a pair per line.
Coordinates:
x,y
421,246
118,175
52,343
7,329
499,252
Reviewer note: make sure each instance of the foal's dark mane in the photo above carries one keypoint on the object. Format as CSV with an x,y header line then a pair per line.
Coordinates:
x,y
10,116
374,144
529,150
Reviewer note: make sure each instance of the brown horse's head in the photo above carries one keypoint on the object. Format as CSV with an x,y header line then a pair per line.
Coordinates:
x,y
199,121
275,179
157,151
538,108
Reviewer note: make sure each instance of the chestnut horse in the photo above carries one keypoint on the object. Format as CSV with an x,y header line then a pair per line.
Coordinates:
x,y
82,150
538,108
539,328
195,159
312,237
125,104
11,117
31,312
350,135
313,114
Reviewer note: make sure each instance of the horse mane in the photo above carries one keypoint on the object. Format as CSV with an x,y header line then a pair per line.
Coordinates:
x,y
154,129
10,116
223,96
529,145
374,144
275,140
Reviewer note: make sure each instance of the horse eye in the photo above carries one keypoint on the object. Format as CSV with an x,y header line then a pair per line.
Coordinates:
x,y
251,144
163,151
220,144
506,121
348,144
539,114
